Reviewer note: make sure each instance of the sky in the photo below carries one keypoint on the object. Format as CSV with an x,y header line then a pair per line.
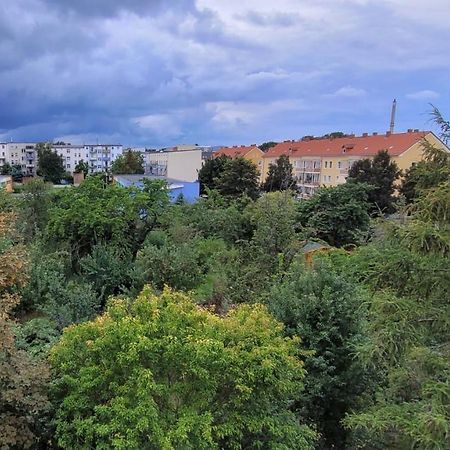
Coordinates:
x,y
218,72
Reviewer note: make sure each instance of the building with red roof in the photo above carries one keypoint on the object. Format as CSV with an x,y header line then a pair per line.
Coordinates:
x,y
319,161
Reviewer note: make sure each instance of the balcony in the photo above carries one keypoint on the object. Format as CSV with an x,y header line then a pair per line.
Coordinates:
x,y
308,169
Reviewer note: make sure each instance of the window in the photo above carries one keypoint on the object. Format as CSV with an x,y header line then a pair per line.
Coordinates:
x,y
331,164
68,166
326,164
339,164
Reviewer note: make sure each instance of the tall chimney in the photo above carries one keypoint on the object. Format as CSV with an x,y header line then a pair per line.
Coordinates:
x,y
394,108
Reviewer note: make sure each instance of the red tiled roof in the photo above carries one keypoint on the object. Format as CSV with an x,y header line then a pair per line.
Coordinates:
x,y
369,145
234,152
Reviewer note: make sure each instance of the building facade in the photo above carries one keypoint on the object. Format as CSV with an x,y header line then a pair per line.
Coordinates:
x,y
22,154
98,156
326,162
181,165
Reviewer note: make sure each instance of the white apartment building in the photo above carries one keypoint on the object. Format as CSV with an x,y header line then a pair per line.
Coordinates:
x,y
98,156
19,153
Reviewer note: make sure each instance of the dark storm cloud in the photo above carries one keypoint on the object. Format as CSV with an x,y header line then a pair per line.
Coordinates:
x,y
110,8
211,71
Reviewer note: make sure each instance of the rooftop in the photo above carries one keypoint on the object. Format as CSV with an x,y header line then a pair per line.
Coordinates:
x,y
365,145
235,151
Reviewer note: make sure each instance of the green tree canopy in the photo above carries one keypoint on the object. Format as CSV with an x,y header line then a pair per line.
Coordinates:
x,y
430,172
162,373
407,269
34,206
210,171
381,173
50,164
267,145
23,381
6,169
279,176
328,311
338,215
239,177
82,167
97,212
129,162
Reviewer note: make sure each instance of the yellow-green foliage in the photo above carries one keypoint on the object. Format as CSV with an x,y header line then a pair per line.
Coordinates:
x,y
163,373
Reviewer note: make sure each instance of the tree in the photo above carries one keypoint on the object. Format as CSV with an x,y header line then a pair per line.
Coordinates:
x,y
210,171
328,311
430,172
273,242
239,177
34,207
381,173
96,212
267,145
161,372
107,268
82,167
23,381
129,162
55,292
442,123
338,215
279,176
334,135
433,169
50,164
14,170
6,169
407,271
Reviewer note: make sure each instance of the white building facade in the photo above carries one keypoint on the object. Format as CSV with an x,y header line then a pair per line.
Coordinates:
x,y
98,156
21,154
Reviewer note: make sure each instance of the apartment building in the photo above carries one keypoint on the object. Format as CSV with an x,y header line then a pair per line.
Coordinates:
x,y
98,156
182,165
250,152
22,154
326,162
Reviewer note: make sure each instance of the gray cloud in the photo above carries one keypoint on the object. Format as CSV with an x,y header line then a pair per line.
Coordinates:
x,y
110,8
160,72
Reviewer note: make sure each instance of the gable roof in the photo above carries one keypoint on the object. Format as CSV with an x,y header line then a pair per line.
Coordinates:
x,y
366,145
236,151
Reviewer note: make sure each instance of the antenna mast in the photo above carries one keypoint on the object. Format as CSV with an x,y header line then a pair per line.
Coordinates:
x,y
394,108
